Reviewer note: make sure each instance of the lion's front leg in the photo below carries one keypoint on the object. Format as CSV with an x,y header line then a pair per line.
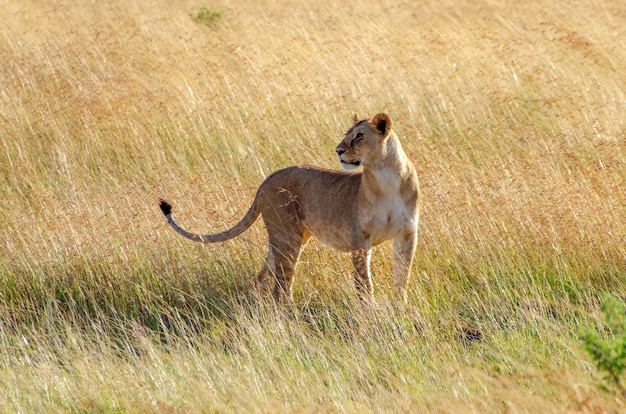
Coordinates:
x,y
362,275
404,245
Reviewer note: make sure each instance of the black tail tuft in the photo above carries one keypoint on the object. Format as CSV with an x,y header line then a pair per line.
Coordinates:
x,y
166,207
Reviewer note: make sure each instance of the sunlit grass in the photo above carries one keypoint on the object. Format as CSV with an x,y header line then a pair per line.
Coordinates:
x,y
512,114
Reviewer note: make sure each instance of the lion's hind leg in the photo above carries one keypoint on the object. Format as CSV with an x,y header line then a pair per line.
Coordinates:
x,y
266,277
285,254
282,215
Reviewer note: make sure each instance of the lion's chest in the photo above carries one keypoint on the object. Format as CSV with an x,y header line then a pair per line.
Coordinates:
x,y
382,220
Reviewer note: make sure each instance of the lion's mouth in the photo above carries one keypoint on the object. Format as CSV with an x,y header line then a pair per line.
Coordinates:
x,y
349,166
355,163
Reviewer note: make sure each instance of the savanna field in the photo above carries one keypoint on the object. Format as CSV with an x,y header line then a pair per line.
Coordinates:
x,y
514,114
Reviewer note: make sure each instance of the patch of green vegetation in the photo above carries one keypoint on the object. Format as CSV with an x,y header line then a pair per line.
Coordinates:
x,y
608,350
206,16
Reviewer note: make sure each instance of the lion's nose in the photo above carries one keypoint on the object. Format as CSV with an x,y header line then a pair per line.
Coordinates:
x,y
340,151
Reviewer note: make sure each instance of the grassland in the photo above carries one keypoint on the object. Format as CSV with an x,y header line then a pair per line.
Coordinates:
x,y
513,113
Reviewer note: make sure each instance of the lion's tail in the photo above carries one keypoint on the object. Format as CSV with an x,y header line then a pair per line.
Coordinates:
x,y
245,223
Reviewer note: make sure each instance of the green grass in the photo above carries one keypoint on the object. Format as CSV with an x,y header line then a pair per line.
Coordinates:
x,y
608,350
512,114
206,16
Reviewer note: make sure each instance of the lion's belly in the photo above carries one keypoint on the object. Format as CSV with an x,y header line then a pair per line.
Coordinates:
x,y
333,236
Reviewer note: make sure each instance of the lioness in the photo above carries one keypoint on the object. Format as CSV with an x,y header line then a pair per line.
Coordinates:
x,y
349,211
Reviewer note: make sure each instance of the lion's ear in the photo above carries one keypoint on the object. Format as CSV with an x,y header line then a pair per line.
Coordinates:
x,y
381,123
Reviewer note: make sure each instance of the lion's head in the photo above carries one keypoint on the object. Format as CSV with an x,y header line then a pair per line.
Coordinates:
x,y
364,143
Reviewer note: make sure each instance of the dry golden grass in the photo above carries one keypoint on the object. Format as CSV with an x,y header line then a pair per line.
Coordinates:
x,y
512,112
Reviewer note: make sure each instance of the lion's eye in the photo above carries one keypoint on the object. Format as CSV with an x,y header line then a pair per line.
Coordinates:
x,y
357,138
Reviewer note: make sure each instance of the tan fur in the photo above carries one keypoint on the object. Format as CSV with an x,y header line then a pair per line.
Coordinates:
x,y
349,211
